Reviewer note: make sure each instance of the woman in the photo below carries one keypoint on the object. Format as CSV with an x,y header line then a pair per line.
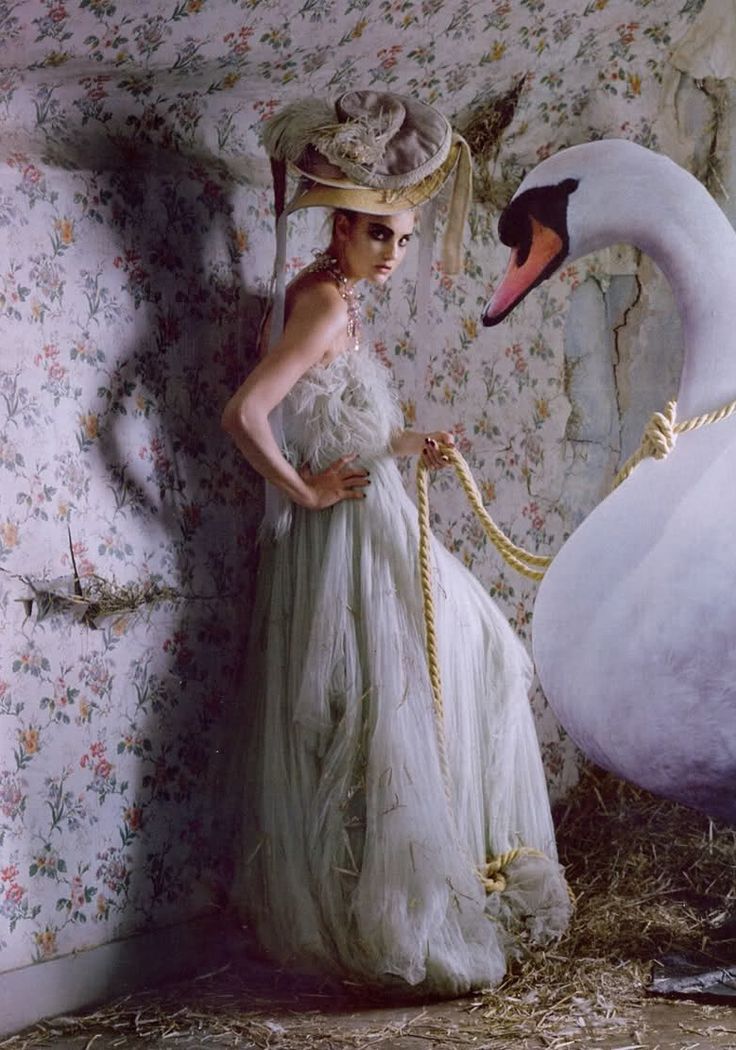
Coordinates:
x,y
321,310
360,859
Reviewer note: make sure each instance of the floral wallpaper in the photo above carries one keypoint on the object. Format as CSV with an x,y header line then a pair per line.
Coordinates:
x,y
136,246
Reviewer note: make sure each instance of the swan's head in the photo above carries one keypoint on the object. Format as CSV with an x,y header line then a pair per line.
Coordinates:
x,y
569,205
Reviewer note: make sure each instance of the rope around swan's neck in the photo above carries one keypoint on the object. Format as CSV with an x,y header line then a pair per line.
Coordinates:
x,y
658,440
660,435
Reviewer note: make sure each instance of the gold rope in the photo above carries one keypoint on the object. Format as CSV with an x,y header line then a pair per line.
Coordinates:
x,y
531,565
658,440
491,874
660,435
522,560
433,663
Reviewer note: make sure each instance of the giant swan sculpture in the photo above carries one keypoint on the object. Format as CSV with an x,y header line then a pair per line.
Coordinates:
x,y
634,629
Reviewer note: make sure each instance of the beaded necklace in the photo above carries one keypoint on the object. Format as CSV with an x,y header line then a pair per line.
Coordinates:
x,y
330,265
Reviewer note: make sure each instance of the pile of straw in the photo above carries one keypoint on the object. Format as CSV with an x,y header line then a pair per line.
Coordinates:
x,y
650,878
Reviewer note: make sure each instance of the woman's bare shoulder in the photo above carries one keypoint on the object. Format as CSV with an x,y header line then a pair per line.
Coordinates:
x,y
310,298
315,290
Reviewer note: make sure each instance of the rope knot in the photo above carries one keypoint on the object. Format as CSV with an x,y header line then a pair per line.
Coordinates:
x,y
660,434
492,877
492,873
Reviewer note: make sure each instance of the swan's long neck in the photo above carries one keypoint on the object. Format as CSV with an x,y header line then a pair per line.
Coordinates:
x,y
666,213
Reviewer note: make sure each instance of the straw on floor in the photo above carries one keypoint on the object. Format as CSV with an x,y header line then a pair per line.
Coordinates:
x,y
648,875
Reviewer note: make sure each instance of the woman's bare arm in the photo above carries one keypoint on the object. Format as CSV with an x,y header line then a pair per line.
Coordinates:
x,y
317,321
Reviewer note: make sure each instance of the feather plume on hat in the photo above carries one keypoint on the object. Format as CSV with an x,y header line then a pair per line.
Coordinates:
x,y
355,140
292,130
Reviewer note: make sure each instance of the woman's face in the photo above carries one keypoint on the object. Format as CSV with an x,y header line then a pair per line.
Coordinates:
x,y
373,245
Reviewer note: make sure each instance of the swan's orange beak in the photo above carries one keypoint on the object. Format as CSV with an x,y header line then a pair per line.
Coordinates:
x,y
546,247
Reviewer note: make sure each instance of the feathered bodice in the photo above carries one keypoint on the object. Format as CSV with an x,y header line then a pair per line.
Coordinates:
x,y
346,406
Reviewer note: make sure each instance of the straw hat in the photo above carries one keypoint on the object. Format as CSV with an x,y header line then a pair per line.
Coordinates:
x,y
373,152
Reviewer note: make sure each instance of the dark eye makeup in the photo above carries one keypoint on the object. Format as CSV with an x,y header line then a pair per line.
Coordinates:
x,y
379,232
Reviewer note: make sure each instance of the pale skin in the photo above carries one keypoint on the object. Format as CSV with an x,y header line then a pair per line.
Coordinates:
x,y
369,247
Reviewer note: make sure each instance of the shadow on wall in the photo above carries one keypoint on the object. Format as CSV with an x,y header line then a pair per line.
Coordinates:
x,y
180,247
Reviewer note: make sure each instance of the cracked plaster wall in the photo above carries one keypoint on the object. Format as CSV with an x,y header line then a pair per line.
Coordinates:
x,y
623,341
623,352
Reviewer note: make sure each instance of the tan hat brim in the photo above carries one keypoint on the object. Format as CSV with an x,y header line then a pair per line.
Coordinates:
x,y
346,194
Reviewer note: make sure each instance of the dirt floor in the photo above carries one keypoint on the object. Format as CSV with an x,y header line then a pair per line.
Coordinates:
x,y
651,881
466,1023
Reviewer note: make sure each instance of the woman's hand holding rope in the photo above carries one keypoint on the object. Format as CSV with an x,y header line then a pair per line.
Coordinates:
x,y
433,455
342,480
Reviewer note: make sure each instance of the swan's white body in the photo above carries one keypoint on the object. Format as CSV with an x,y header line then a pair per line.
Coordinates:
x,y
634,629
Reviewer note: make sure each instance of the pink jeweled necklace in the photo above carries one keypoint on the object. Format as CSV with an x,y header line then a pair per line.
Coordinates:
x,y
329,264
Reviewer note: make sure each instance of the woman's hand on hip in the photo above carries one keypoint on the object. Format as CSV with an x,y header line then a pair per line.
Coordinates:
x,y
341,480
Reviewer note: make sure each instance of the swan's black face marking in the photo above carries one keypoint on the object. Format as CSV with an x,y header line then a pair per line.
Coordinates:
x,y
544,209
548,205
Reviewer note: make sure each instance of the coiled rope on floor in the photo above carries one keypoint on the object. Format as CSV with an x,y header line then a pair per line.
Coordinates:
x,y
492,872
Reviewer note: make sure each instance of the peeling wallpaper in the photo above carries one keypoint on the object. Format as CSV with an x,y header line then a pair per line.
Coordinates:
x,y
136,246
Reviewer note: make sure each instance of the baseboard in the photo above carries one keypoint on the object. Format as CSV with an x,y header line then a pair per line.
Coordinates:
x,y
83,979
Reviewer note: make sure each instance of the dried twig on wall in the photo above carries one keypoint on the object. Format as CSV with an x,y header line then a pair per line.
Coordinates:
x,y
97,599
91,598
483,133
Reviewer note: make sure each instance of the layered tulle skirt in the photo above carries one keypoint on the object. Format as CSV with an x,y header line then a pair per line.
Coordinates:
x,y
358,858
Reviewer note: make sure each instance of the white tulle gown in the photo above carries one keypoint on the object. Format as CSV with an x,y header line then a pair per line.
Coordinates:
x,y
354,863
